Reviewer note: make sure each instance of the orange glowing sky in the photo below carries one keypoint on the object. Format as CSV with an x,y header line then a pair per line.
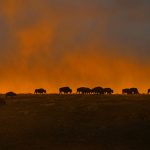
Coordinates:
x,y
54,43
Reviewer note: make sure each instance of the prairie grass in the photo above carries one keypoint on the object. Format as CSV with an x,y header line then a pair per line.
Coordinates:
x,y
75,122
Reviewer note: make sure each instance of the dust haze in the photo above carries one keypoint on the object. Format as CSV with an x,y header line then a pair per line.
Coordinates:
x,y
53,43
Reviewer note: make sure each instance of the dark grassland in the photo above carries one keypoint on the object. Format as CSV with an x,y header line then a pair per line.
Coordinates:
x,y
75,122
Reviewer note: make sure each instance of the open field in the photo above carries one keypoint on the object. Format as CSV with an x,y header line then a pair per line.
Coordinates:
x,y
75,122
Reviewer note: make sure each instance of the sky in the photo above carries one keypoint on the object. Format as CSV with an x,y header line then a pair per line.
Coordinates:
x,y
56,43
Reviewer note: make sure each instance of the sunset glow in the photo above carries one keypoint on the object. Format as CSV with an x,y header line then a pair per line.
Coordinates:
x,y
51,43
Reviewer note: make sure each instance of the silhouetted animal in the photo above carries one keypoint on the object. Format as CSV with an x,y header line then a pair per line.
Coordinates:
x,y
108,91
84,90
65,90
10,94
98,90
40,91
148,91
134,91
126,91
130,91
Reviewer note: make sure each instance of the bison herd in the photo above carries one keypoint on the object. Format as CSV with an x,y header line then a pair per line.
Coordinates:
x,y
95,90
82,90
85,90
99,90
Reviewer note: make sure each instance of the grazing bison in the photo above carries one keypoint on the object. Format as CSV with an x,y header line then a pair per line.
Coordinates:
x,y
84,90
148,91
11,94
98,90
126,91
134,91
108,91
65,90
130,91
40,91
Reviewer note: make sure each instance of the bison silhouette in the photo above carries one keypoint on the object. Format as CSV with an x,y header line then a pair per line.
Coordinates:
x,y
10,94
65,90
84,90
134,91
148,91
126,91
130,91
40,91
98,90
108,91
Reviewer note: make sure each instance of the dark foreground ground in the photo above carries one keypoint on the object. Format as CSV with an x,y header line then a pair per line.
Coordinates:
x,y
75,122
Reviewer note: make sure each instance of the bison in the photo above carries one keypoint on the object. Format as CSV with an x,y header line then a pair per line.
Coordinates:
x,y
98,90
108,91
84,90
126,91
65,90
148,91
130,91
134,91
40,91
10,94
